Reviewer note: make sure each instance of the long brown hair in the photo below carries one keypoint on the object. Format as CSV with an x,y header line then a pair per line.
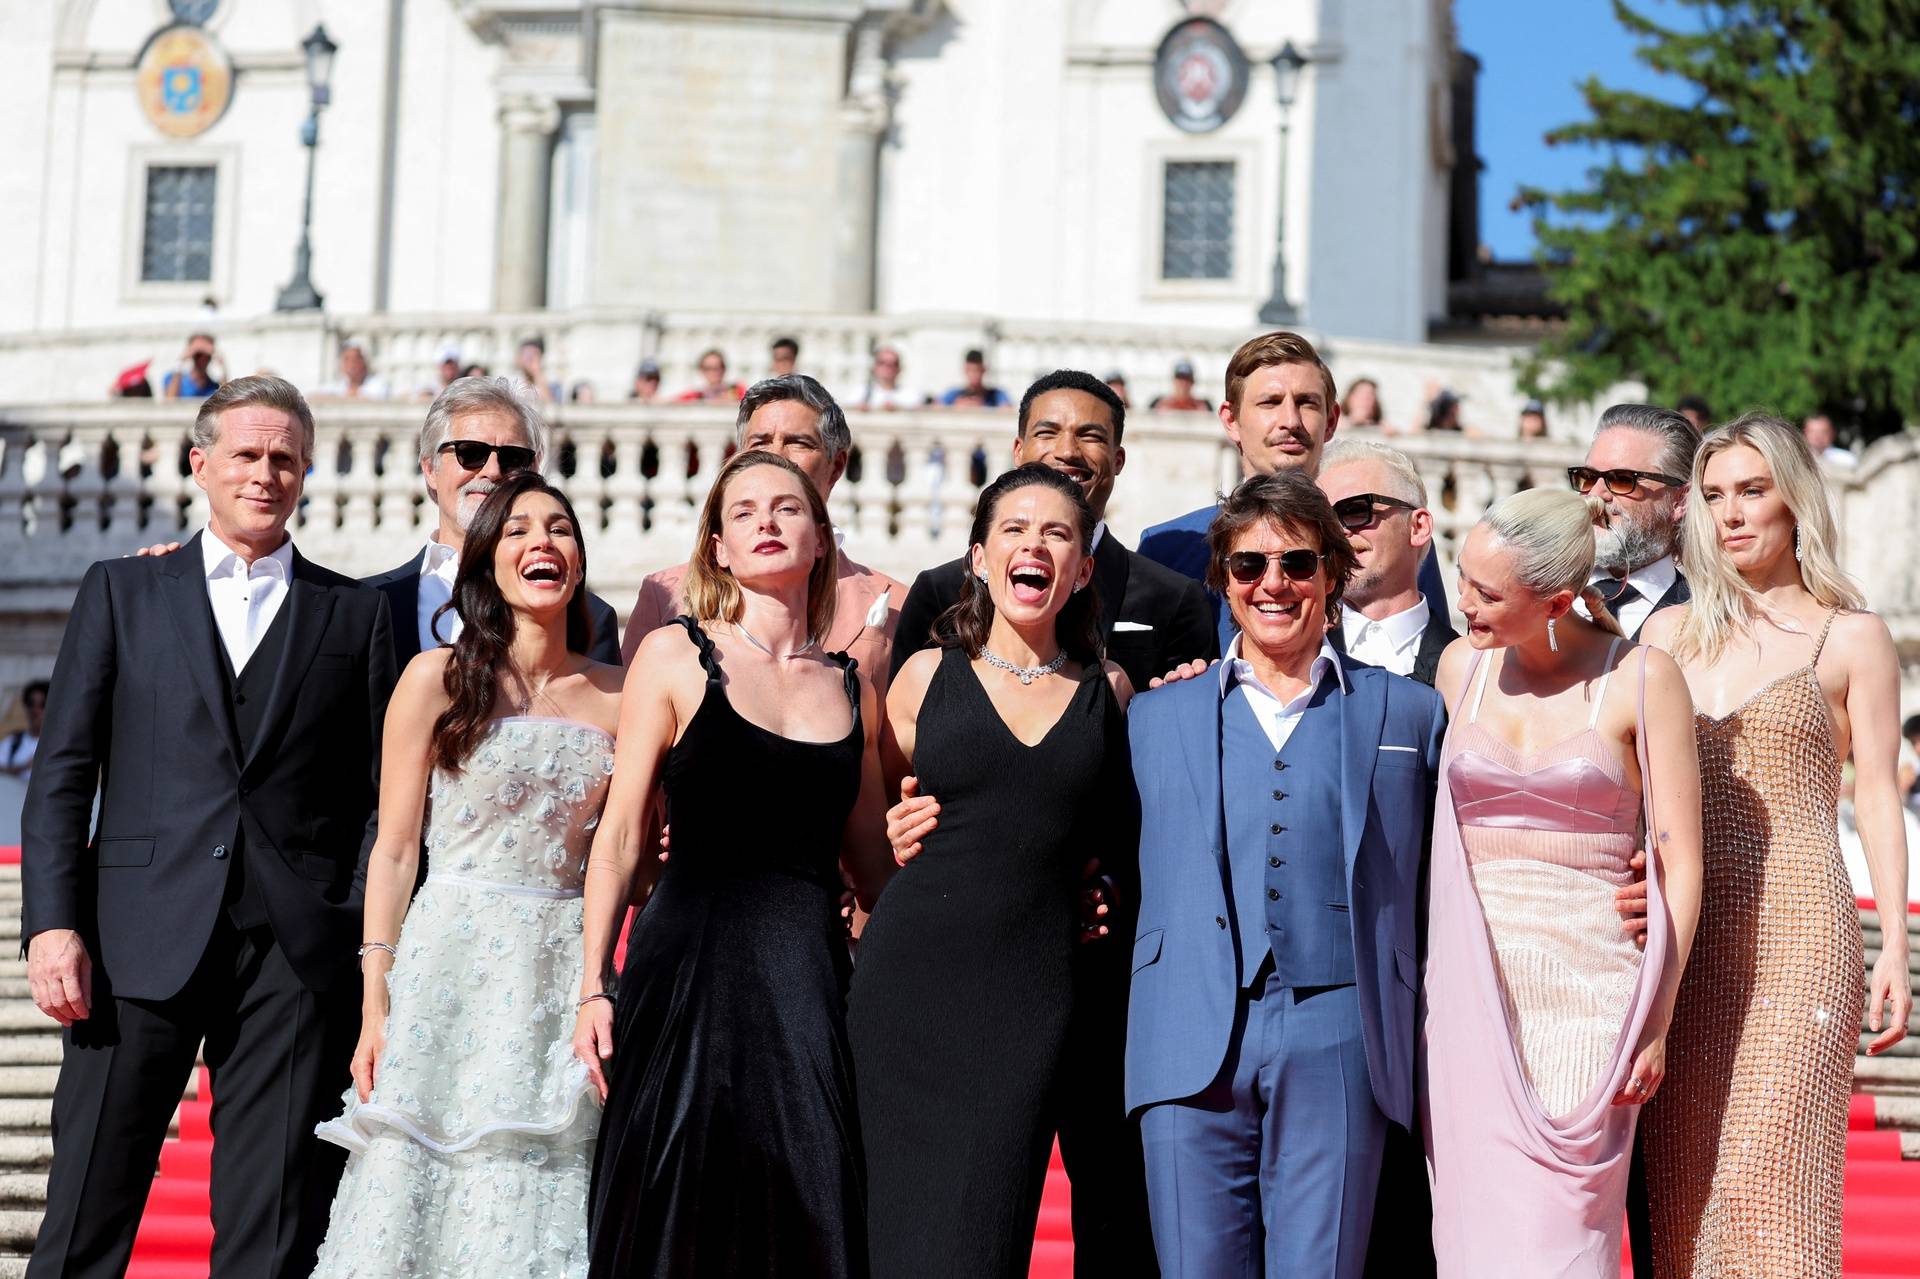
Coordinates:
x,y
472,677
967,623
711,592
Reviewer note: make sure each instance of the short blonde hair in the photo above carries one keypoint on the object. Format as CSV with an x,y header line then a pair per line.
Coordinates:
x,y
1723,605
711,592
1549,533
1346,451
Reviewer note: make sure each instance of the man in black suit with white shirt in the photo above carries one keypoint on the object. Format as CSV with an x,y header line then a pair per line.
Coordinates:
x,y
226,702
477,430
1638,465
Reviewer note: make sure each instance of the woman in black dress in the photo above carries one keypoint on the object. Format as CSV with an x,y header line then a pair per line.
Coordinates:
x,y
730,1144
961,1003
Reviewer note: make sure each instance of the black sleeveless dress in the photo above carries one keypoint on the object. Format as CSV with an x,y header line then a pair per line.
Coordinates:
x,y
964,992
730,1144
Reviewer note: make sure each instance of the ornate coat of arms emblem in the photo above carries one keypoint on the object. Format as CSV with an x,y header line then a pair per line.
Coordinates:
x,y
184,81
1199,75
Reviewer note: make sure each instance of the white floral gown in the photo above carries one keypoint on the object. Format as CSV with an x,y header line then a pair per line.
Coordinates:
x,y
473,1155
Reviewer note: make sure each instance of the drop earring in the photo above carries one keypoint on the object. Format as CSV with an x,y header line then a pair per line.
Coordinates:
x,y
1796,544
1553,641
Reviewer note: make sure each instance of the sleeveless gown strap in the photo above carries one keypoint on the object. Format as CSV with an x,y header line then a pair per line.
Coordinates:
x,y
1821,643
702,641
850,678
1600,689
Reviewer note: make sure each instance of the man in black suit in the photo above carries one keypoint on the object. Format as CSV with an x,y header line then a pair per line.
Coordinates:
x,y
1381,501
1638,465
476,431
1152,620
227,703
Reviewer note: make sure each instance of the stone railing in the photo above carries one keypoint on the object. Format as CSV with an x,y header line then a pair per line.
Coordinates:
x,y
83,482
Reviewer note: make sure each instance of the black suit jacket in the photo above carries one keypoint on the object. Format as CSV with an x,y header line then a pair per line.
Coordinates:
x,y
1151,618
401,586
1678,593
1426,659
138,707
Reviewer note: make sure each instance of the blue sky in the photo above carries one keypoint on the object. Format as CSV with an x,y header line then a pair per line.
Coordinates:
x,y
1533,54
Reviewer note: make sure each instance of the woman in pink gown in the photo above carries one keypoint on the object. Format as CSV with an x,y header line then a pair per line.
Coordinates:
x,y
1544,1028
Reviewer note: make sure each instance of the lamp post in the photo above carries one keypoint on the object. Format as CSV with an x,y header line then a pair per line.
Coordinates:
x,y
299,295
1287,65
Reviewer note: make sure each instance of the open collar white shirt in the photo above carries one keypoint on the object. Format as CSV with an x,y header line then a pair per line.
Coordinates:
x,y
1650,583
245,597
438,567
1392,643
1277,718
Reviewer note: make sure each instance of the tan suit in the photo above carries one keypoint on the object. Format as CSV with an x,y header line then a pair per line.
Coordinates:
x,y
854,631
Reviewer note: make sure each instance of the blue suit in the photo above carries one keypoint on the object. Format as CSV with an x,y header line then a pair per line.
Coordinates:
x,y
1266,1054
1181,545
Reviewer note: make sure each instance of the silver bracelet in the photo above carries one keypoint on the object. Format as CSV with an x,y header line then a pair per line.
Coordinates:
x,y
598,994
376,945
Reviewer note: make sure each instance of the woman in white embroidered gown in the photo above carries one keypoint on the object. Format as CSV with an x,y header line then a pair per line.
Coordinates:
x,y
470,1123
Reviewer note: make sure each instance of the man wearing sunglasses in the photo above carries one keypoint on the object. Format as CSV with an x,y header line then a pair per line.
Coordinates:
x,y
477,431
1381,501
1285,803
1279,411
1638,466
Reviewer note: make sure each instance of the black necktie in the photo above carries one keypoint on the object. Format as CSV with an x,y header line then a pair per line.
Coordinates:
x,y
1613,600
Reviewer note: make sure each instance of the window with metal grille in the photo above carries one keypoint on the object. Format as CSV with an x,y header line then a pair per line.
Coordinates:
x,y
198,12
179,224
1196,241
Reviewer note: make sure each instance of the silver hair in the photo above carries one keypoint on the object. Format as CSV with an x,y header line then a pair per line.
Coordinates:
x,y
1680,439
480,394
261,389
834,435
1344,451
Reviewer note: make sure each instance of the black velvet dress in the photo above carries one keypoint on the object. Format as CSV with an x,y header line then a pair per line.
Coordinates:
x,y
730,1145
963,1002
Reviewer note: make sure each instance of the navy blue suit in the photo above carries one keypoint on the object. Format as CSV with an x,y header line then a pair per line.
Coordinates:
x,y
1271,1029
1181,545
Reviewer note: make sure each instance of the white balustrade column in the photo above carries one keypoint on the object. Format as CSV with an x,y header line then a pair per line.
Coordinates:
x,y
626,487
123,490
872,504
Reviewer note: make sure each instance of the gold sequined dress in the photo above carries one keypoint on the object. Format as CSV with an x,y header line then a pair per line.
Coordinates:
x,y
1745,1143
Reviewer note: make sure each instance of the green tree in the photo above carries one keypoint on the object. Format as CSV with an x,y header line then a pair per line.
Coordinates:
x,y
1756,238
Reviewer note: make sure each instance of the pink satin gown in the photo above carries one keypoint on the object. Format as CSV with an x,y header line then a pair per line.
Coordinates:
x,y
1533,1000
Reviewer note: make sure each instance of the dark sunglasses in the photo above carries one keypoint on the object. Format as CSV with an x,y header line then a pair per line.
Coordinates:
x,y
1619,483
1357,512
1298,564
473,454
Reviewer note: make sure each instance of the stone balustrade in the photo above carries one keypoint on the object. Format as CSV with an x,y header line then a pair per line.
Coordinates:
x,y
82,482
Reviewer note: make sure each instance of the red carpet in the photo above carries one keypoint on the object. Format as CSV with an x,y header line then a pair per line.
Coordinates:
x,y
176,1232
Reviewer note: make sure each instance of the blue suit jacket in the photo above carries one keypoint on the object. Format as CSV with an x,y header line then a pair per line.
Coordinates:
x,y
1181,545
1185,969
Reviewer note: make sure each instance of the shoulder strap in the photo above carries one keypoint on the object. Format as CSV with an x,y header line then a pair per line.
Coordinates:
x,y
703,642
1483,666
1606,673
1822,641
850,678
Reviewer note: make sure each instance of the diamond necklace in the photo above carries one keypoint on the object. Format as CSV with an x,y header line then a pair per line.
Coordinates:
x,y
1027,674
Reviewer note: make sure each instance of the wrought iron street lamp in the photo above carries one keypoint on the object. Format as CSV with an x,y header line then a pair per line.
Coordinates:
x,y
299,295
1287,66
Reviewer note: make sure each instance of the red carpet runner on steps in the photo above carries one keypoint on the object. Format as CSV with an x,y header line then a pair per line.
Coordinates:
x,y
1882,1235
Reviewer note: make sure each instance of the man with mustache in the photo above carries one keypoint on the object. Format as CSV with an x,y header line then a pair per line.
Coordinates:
x,y
1638,466
1279,410
477,431
1152,619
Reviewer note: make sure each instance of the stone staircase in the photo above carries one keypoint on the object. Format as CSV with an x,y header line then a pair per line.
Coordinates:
x,y
30,1061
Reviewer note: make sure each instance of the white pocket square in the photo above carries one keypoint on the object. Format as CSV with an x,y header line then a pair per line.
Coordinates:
x,y
1133,626
1411,750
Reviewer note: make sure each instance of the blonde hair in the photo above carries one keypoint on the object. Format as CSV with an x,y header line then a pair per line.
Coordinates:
x,y
1723,605
1347,450
1549,533
712,592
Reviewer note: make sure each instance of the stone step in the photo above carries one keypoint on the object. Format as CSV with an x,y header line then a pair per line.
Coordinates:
x,y
28,1081
1908,1047
23,1190
16,987
29,1050
21,1153
1887,1076
20,1017
13,1267
32,1114
18,1228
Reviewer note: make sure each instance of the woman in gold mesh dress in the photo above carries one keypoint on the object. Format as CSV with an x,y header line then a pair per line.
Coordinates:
x,y
1745,1145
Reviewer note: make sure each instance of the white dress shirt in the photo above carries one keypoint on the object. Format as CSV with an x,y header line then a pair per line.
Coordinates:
x,y
1276,717
1650,583
1392,643
245,597
438,568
